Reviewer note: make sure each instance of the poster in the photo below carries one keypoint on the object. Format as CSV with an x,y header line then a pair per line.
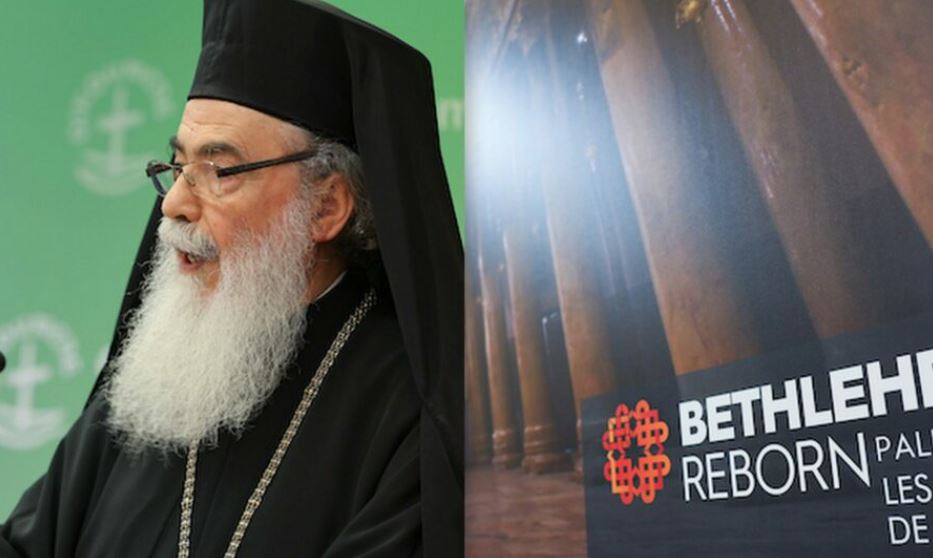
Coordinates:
x,y
700,278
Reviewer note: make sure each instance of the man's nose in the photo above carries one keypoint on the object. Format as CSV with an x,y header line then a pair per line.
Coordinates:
x,y
181,202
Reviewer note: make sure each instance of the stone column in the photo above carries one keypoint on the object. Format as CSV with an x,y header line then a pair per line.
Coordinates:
x,y
703,319
816,237
541,442
881,54
504,443
478,447
576,269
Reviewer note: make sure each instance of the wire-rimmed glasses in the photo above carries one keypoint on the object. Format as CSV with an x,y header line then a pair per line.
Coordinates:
x,y
205,176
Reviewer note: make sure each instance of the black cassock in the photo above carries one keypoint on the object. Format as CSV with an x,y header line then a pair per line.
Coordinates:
x,y
348,486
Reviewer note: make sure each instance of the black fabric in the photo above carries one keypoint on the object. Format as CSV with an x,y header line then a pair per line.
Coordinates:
x,y
281,57
349,485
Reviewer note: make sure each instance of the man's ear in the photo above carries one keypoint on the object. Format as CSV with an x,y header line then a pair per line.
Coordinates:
x,y
335,208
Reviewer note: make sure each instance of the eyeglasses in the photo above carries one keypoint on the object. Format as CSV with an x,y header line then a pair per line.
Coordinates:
x,y
205,176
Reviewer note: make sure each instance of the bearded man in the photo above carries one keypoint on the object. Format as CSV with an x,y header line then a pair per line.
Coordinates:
x,y
285,378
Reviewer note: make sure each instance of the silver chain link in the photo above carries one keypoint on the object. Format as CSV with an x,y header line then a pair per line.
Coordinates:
x,y
252,504
187,501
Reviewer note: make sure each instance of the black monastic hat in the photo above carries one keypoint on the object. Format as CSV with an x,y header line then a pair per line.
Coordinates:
x,y
307,62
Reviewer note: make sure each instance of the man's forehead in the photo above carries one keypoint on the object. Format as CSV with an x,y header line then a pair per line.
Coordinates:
x,y
206,148
210,126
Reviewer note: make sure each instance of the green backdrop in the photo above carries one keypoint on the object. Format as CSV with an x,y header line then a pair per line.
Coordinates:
x,y
91,91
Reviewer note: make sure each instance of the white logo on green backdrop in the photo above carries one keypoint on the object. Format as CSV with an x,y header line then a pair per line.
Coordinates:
x,y
39,348
114,103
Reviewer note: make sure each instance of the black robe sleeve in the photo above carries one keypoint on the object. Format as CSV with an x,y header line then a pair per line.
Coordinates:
x,y
49,516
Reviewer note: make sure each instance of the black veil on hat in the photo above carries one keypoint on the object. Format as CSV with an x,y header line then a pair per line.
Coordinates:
x,y
309,63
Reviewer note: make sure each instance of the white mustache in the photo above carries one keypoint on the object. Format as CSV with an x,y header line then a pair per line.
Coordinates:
x,y
186,237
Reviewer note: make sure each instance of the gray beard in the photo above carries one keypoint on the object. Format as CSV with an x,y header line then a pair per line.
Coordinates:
x,y
196,364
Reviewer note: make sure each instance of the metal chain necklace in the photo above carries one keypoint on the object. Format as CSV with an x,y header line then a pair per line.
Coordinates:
x,y
252,504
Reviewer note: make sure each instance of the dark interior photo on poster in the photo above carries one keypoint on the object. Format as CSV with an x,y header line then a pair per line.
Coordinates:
x,y
699,307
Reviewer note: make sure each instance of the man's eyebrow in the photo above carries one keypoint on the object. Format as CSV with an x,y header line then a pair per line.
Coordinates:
x,y
175,145
208,149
